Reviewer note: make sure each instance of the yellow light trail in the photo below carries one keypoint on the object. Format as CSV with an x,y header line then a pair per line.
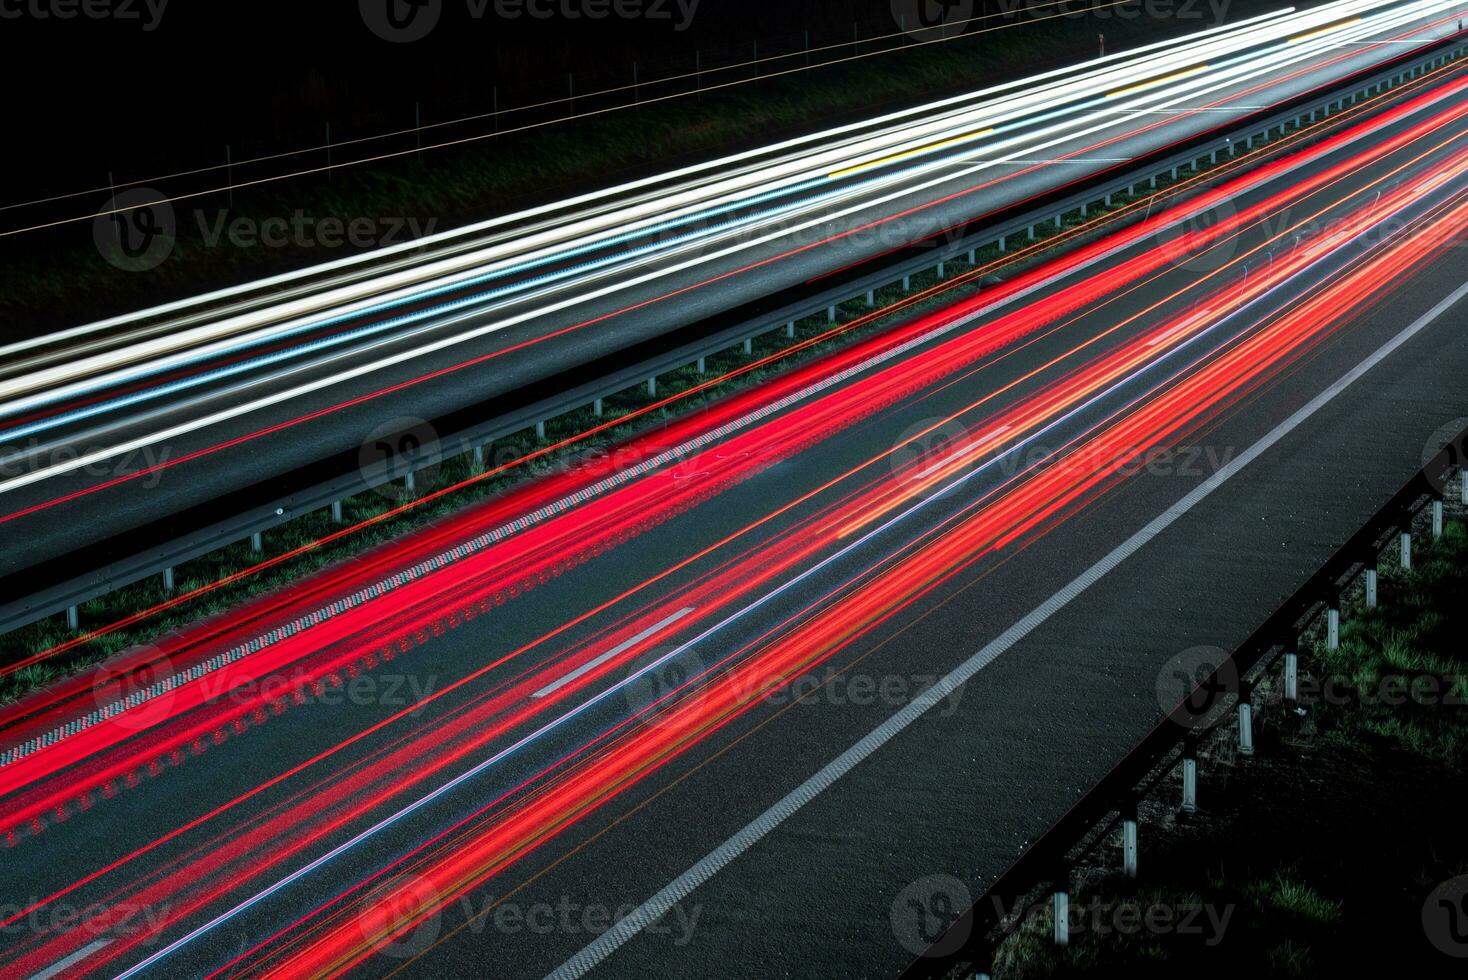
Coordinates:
x,y
1324,30
910,153
1157,81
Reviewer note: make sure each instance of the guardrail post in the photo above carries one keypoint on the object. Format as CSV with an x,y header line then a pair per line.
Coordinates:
x,y
700,365
1060,905
73,618
539,434
906,283
1437,517
336,505
1085,209
1291,674
1246,718
1333,625
748,345
1463,481
871,301
257,542
652,388
831,313
168,580
1190,774
1129,838
1371,583
1406,548
1003,243
942,269
973,256
790,328
596,403
1031,232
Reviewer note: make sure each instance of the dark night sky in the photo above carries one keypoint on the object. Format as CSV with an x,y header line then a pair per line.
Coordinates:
x,y
85,94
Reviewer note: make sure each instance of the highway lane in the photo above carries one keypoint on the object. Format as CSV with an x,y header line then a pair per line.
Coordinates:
x,y
478,369
450,656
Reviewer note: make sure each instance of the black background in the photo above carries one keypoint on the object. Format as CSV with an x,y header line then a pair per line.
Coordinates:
x,y
89,95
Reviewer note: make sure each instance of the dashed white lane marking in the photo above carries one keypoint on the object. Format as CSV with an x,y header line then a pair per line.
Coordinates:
x,y
622,647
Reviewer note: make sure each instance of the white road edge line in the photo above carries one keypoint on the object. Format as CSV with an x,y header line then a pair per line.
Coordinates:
x,y
659,905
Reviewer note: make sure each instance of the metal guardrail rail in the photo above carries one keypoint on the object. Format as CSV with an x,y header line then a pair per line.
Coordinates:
x,y
966,948
67,596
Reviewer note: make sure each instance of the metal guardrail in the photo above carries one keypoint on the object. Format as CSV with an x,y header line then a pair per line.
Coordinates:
x,y
967,947
67,596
